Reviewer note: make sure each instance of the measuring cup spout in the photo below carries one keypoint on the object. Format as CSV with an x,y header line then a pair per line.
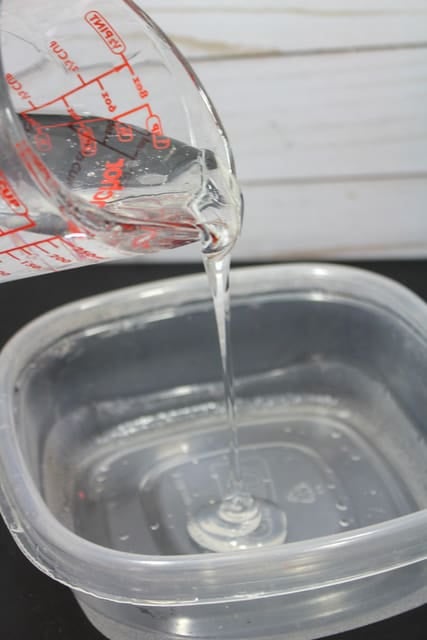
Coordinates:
x,y
110,146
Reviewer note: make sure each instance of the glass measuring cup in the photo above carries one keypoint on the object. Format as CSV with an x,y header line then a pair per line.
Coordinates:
x,y
110,145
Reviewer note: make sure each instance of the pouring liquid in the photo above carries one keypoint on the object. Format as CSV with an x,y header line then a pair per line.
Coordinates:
x,y
163,201
239,521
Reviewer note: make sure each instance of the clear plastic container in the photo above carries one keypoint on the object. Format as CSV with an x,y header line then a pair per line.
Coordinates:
x,y
112,431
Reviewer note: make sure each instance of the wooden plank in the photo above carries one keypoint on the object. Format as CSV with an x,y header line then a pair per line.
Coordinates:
x,y
338,219
331,149
329,220
323,116
211,28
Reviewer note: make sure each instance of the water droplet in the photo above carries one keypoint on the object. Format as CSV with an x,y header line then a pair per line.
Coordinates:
x,y
103,469
341,506
123,538
184,447
195,461
344,415
373,492
344,523
287,430
331,486
302,493
335,435
355,457
155,527
15,528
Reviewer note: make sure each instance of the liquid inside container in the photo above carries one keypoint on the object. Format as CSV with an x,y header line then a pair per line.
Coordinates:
x,y
115,427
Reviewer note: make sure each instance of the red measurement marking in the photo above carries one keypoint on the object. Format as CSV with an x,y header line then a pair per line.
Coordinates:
x,y
142,91
78,252
70,110
127,63
63,56
110,183
32,265
59,258
115,69
159,140
41,138
16,86
108,102
124,133
72,123
154,124
134,110
105,31
36,168
88,143
10,197
85,121
82,253
80,77
16,206
31,103
10,252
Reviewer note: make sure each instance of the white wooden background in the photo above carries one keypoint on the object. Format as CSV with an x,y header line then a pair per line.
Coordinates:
x,y
332,157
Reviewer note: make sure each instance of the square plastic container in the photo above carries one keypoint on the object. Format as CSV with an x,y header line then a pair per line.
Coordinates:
x,y
112,434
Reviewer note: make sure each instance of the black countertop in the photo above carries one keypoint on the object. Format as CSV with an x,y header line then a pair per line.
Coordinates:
x,y
34,607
